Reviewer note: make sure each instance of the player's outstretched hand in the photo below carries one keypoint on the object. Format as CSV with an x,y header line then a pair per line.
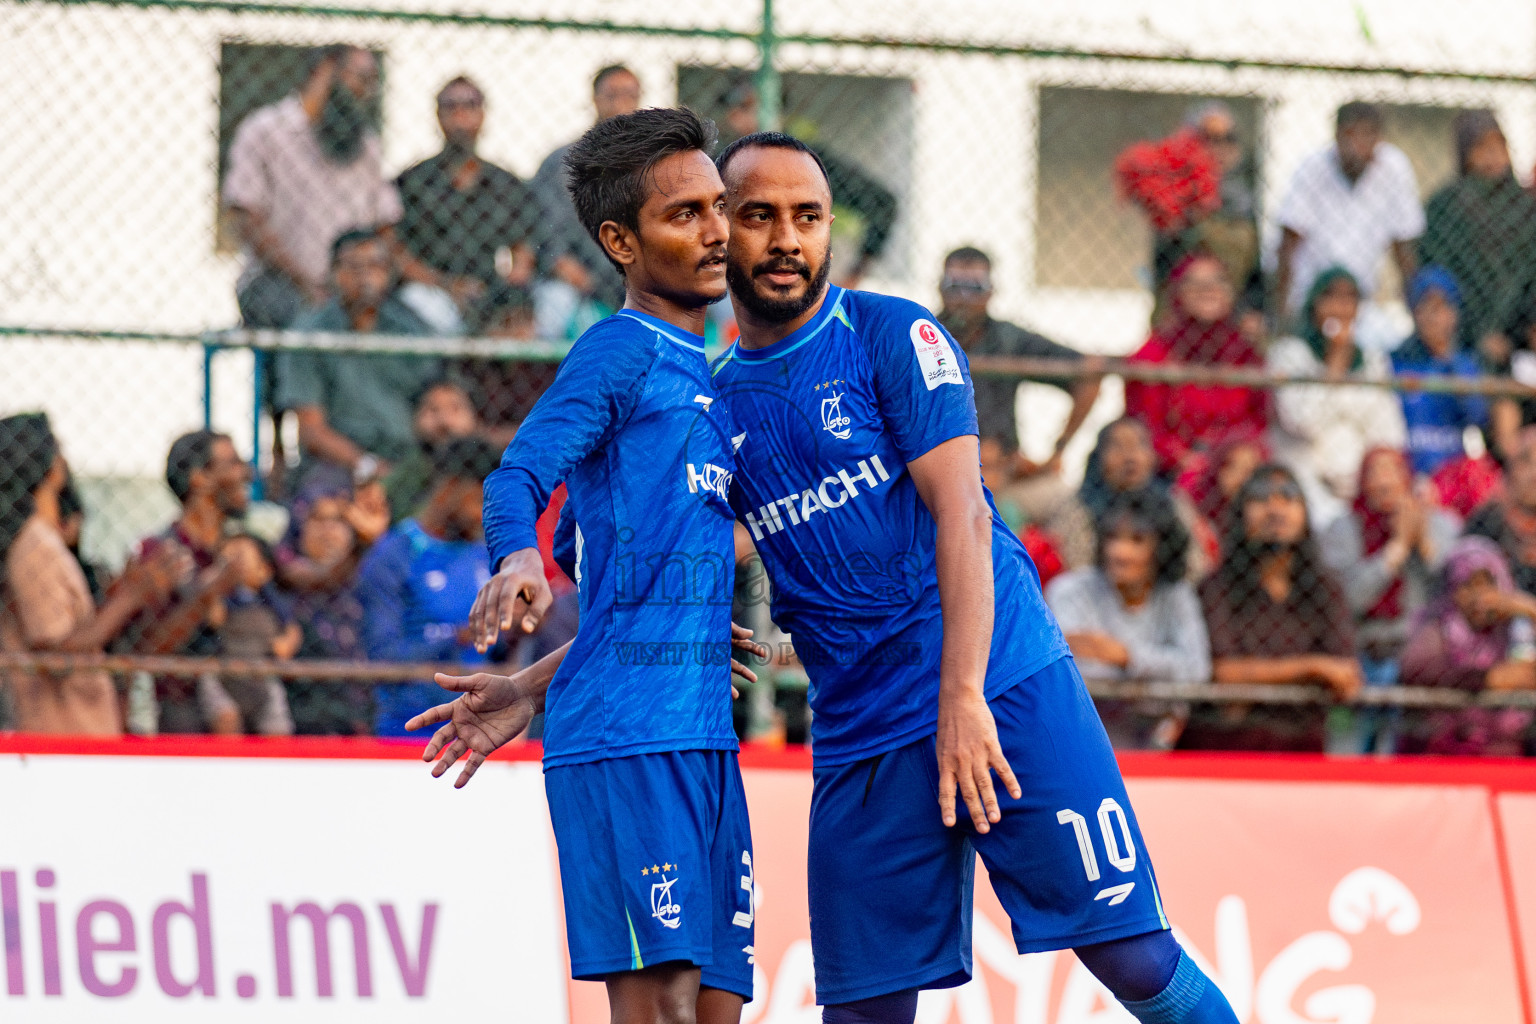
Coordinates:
x,y
492,710
969,753
517,593
741,640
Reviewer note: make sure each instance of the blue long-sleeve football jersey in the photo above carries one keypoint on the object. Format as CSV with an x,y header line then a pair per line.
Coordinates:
x,y
632,426
832,414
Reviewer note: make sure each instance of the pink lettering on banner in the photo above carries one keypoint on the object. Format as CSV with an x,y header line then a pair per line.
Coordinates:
x,y
89,944
202,926
412,974
48,936
10,926
319,922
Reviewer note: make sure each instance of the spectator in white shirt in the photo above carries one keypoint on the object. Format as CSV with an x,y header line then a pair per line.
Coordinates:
x,y
1348,205
1322,431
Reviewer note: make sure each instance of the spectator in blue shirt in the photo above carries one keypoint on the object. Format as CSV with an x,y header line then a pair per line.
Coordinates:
x,y
1436,421
419,581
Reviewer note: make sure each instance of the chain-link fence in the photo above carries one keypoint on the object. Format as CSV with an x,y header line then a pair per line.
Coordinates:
x,y
300,250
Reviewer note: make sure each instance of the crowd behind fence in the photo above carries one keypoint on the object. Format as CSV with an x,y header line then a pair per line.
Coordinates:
x,y
1272,454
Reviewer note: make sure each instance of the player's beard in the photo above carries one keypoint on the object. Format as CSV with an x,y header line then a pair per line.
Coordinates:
x,y
771,310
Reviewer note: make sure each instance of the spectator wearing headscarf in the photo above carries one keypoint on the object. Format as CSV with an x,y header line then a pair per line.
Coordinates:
x,y
1386,552
1187,420
322,551
1323,430
1436,421
45,602
1481,226
1468,637
1209,493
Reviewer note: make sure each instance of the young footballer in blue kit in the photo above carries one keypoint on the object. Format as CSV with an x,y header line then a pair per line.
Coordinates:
x,y
640,756
933,659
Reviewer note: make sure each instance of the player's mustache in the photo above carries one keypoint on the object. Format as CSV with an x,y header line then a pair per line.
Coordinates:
x,y
715,256
784,263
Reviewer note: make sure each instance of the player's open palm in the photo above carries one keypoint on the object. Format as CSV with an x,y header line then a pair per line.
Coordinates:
x,y
969,752
491,711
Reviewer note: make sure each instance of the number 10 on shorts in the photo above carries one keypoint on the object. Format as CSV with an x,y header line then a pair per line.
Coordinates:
x,y
1111,815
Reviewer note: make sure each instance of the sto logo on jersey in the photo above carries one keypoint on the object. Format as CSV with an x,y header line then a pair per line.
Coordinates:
x,y
832,419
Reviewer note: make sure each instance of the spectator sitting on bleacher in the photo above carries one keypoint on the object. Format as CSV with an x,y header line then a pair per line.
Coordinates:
x,y
1122,464
1482,228
301,172
467,220
258,623
1036,489
1210,492
1476,634
1436,421
1510,519
1514,356
1348,204
1386,552
1187,420
328,533
206,474
443,411
1132,615
1322,431
418,583
45,603
354,408
1275,616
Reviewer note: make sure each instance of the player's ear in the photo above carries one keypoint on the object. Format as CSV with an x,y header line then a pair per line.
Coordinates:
x,y
618,242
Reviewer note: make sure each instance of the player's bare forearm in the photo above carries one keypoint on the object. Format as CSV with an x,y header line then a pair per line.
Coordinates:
x,y
948,479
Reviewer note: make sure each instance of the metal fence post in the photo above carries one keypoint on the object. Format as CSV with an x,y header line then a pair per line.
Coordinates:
x,y
769,97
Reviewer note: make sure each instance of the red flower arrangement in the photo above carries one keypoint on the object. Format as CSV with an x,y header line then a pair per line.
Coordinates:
x,y
1176,180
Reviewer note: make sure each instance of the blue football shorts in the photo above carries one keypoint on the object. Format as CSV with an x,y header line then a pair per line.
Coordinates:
x,y
891,887
656,864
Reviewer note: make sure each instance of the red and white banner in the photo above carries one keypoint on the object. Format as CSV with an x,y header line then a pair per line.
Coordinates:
x,y
208,880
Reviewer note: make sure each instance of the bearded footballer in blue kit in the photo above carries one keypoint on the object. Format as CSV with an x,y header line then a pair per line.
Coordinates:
x,y
644,791
932,657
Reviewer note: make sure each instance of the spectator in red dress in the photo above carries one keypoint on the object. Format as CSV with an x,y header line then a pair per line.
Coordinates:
x,y
1188,420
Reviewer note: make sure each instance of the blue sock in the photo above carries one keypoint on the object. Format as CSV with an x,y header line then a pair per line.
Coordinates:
x,y
1190,998
896,1008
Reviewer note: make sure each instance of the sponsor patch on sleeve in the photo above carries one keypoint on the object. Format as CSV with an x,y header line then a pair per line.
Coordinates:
x,y
935,359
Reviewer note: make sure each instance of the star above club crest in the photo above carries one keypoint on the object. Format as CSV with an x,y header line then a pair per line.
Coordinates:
x,y
645,871
827,384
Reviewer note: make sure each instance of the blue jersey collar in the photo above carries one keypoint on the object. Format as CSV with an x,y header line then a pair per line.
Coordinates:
x,y
831,308
687,339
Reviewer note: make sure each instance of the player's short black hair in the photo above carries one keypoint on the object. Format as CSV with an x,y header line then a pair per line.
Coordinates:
x,y
464,458
189,453
1360,112
968,254
347,239
606,72
770,140
608,170
1152,513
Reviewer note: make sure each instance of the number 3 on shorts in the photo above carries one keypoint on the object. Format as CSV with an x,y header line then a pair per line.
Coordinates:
x,y
1109,811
